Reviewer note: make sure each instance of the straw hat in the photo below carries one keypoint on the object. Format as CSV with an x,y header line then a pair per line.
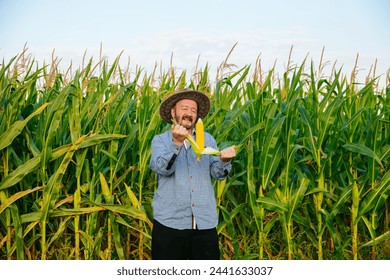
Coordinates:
x,y
201,98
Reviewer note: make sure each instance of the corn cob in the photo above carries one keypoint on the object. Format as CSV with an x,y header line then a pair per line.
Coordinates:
x,y
195,146
199,129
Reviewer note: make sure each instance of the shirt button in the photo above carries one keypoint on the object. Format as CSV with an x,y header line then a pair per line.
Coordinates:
x,y
190,177
193,205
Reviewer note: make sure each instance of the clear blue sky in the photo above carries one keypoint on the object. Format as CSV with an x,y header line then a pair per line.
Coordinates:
x,y
151,31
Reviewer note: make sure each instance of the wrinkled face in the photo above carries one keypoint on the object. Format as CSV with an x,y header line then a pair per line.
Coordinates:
x,y
185,113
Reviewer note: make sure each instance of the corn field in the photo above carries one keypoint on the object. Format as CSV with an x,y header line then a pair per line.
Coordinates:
x,y
311,179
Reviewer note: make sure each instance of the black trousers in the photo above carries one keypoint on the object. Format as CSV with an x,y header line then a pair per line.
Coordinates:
x,y
187,244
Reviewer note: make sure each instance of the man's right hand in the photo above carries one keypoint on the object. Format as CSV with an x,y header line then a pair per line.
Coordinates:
x,y
179,134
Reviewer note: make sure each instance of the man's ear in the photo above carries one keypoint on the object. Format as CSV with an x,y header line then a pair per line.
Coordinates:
x,y
173,114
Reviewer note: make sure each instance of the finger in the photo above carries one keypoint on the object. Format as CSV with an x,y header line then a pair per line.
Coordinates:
x,y
175,127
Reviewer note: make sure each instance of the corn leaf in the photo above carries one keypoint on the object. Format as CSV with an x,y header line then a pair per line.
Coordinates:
x,y
10,134
361,149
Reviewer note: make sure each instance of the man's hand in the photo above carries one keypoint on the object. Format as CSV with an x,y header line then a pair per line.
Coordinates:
x,y
227,154
179,134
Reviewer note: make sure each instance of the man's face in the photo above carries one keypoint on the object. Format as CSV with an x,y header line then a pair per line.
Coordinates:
x,y
185,112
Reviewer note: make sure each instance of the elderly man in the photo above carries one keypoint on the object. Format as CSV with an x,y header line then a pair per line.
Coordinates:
x,y
184,207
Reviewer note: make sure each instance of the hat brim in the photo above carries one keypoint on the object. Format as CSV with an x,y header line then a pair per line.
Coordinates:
x,y
201,98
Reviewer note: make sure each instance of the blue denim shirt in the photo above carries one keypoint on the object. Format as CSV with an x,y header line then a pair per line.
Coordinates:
x,y
185,184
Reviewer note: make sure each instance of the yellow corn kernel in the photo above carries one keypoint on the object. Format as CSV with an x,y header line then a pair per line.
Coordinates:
x,y
199,129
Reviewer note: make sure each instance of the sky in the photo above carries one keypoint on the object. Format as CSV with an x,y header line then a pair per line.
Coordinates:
x,y
186,34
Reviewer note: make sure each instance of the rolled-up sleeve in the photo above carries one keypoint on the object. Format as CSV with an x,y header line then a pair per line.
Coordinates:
x,y
164,155
220,170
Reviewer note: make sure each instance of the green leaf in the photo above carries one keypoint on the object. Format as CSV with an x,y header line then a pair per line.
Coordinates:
x,y
361,149
15,197
16,128
272,204
370,201
297,198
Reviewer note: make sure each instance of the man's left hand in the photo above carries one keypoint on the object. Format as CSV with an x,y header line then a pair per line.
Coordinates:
x,y
227,154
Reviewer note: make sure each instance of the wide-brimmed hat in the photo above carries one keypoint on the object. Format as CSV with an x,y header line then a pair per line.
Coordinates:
x,y
201,98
